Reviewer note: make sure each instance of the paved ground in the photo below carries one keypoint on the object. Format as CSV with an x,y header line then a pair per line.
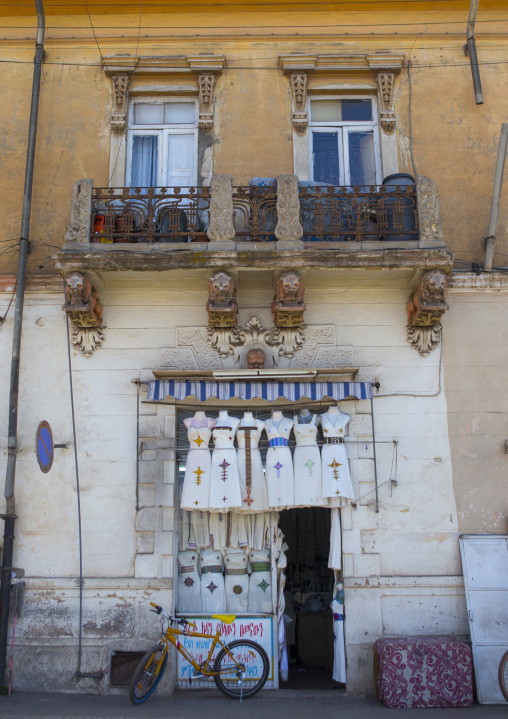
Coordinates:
x,y
211,705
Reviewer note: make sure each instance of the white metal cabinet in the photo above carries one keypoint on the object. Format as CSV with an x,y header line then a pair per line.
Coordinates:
x,y
485,567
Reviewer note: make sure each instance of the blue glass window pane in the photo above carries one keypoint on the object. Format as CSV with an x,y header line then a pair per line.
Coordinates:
x,y
362,164
356,110
325,152
144,161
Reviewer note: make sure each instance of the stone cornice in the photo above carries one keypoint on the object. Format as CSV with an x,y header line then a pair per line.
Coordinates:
x,y
342,62
162,65
471,281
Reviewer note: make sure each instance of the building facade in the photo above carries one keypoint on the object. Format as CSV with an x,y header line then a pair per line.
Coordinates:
x,y
311,182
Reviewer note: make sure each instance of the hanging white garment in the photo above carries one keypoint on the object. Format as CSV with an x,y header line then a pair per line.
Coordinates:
x,y
189,589
252,476
218,522
256,529
279,464
225,481
213,593
307,465
183,529
200,530
236,581
335,558
238,537
260,582
196,483
339,652
336,480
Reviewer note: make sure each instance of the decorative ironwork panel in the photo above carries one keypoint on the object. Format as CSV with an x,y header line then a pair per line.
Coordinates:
x,y
355,214
255,213
150,214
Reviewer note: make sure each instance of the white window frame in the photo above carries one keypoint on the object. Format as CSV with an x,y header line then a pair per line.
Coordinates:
x,y
342,128
162,131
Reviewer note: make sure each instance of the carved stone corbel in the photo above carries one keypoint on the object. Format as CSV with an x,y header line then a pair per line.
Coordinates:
x,y
84,309
288,305
121,87
427,200
425,308
206,88
299,92
221,306
288,209
385,92
221,227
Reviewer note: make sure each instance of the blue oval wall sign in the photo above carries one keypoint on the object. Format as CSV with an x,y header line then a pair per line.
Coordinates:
x,y
44,447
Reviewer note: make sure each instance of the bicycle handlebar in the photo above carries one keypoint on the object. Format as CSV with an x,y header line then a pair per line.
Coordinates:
x,y
160,610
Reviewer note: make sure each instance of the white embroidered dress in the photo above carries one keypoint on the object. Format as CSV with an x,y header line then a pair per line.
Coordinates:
x,y
236,581
260,582
196,483
253,488
225,481
279,464
213,594
307,466
189,588
336,479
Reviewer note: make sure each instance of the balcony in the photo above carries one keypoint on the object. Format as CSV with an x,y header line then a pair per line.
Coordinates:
x,y
271,218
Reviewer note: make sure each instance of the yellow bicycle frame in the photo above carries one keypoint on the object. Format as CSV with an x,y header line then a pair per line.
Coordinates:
x,y
171,635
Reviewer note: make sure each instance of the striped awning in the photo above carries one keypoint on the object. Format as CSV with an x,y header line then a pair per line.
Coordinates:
x,y
268,390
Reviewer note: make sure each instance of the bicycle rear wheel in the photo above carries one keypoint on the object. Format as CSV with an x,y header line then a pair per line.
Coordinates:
x,y
148,674
242,669
503,675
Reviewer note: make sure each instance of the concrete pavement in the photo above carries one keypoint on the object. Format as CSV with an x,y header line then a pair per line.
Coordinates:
x,y
212,705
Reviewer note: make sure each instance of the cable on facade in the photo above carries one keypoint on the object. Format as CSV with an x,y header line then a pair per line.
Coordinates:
x,y
2,319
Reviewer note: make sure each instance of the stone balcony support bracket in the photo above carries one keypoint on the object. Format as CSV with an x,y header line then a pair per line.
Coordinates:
x,y
221,228
288,228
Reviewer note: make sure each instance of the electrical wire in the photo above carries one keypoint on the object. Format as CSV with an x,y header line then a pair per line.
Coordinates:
x,y
2,319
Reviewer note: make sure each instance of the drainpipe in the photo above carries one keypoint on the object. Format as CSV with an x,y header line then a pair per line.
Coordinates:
x,y
12,442
496,196
471,51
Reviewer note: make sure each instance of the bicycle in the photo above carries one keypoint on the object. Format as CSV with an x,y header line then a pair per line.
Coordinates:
x,y
502,675
239,670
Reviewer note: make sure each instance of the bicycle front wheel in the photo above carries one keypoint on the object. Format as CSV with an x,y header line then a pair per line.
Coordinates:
x,y
241,668
148,674
503,675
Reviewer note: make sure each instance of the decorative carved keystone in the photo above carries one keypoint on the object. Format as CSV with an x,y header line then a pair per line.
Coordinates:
x,y
288,305
121,86
427,199
221,227
385,92
78,229
288,209
84,310
221,306
299,91
425,307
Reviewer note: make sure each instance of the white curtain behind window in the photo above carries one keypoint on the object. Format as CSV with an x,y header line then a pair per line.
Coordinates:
x,y
144,161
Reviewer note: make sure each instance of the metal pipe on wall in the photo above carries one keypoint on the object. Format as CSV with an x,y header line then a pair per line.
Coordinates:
x,y
471,51
496,197
12,442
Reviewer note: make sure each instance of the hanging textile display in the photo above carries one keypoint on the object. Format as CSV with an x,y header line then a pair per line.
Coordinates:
x,y
199,530
189,588
218,522
336,480
257,528
213,594
335,557
260,582
236,581
250,466
225,481
196,484
307,465
279,462
238,536
339,651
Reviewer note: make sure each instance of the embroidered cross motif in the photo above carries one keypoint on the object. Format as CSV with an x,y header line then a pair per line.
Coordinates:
x,y
248,499
334,465
224,499
212,587
188,581
221,517
237,589
199,441
196,502
340,430
309,464
198,472
337,492
277,468
263,585
224,466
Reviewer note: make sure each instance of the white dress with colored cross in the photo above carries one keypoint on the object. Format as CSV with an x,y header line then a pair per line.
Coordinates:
x,y
307,466
336,479
213,594
189,587
260,582
279,464
253,488
196,483
225,481
236,581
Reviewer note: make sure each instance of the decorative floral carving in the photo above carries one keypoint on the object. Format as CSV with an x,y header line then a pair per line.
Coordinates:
x,y
121,86
82,302
288,209
288,305
87,339
206,87
221,225
428,210
288,340
424,339
385,90
299,90
427,304
221,306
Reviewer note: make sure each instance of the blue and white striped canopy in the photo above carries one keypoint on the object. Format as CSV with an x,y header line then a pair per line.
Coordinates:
x,y
268,390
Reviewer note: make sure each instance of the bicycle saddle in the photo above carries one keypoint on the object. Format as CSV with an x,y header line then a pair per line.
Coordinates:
x,y
226,618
